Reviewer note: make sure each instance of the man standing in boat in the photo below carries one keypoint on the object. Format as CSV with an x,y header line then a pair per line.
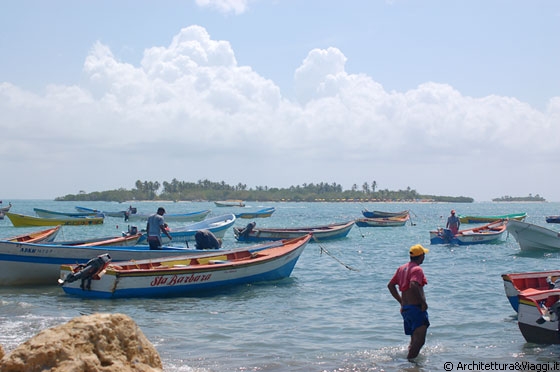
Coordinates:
x,y
453,223
411,281
156,225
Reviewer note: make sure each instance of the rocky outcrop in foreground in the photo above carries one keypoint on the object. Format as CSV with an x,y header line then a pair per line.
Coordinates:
x,y
98,342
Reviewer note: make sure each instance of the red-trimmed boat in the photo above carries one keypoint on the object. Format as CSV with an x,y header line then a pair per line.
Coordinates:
x,y
487,234
538,316
527,282
41,236
182,275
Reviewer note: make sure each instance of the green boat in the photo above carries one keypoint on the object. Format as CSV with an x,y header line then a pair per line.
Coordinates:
x,y
487,219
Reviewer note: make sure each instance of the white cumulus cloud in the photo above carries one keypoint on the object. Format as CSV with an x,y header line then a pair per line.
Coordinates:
x,y
225,6
190,111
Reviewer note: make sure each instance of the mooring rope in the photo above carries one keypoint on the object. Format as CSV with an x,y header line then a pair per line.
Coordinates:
x,y
333,257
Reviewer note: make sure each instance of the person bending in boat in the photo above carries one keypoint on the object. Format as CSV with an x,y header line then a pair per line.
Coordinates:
x,y
206,240
156,225
411,280
453,223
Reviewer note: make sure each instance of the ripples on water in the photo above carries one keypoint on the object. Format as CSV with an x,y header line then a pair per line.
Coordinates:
x,y
325,317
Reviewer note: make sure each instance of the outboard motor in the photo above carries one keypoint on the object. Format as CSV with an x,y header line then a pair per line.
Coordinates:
x,y
247,230
551,314
88,271
132,230
447,235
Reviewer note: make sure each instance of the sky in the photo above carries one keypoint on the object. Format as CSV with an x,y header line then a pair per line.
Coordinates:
x,y
455,98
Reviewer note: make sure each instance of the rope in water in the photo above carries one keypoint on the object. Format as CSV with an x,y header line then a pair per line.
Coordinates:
x,y
333,257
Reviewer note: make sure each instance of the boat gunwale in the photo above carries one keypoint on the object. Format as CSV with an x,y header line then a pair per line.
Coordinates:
x,y
268,253
304,230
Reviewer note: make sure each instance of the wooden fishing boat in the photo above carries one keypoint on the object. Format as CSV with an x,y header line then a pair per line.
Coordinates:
x,y
39,264
41,236
490,233
382,214
3,211
171,217
519,283
262,213
532,237
45,213
552,219
6,209
105,213
125,240
538,316
182,275
382,221
216,225
486,219
320,233
19,220
230,203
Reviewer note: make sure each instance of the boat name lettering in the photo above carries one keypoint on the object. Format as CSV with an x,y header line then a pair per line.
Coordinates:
x,y
179,279
35,250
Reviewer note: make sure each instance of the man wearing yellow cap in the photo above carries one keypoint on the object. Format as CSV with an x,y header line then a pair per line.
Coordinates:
x,y
411,281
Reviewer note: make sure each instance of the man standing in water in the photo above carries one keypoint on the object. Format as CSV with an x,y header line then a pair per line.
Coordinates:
x,y
411,281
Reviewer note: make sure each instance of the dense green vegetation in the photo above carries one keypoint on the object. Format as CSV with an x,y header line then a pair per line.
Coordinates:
x,y
529,198
213,191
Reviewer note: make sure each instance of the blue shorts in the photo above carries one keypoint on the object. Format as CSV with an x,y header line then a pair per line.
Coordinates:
x,y
414,317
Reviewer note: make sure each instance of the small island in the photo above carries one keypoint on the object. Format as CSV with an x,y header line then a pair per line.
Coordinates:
x,y
206,190
530,198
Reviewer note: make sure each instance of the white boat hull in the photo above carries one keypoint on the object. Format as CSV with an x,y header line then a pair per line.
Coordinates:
x,y
532,237
39,264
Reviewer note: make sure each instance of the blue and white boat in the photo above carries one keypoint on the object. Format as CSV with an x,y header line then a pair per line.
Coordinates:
x,y
383,214
106,213
490,233
261,213
320,233
39,264
46,213
216,225
171,217
183,275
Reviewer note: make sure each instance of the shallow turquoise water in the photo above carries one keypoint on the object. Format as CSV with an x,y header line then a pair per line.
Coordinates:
x,y
325,317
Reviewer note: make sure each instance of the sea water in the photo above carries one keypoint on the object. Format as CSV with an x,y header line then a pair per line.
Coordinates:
x,y
334,313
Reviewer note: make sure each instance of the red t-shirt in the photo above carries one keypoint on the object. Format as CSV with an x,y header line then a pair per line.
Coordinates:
x,y
407,273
